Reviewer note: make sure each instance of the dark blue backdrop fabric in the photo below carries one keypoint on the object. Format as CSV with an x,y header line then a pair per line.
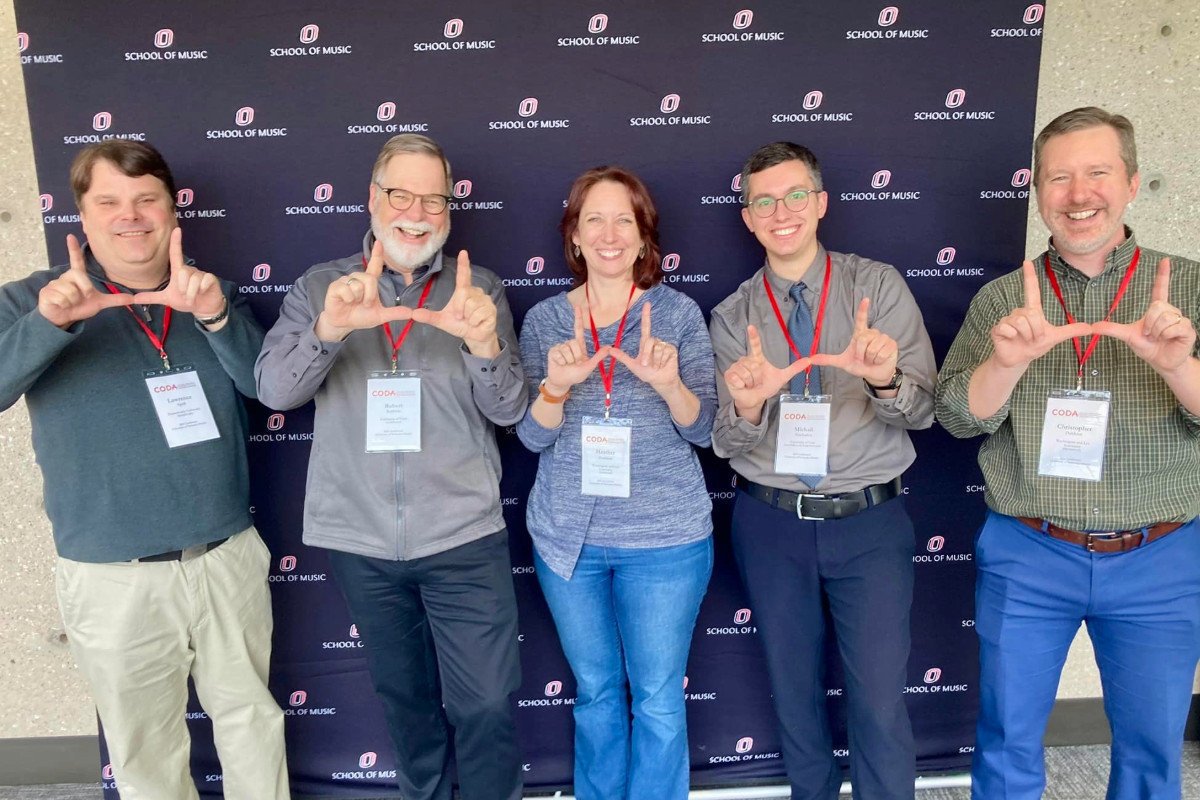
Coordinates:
x,y
271,115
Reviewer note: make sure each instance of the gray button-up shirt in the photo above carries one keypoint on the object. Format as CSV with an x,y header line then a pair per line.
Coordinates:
x,y
396,506
868,438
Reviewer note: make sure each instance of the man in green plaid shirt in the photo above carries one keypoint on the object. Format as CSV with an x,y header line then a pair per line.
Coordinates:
x,y
1081,368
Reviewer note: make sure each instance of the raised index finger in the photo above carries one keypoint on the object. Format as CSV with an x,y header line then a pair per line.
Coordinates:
x,y
375,265
1162,281
860,317
754,342
1033,291
75,254
578,322
176,250
463,279
646,321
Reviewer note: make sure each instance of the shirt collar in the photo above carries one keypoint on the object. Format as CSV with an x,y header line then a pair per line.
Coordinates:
x,y
1117,260
813,277
430,267
96,271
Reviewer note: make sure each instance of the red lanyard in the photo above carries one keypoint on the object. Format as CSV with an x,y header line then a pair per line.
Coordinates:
x,y
816,327
607,377
1080,353
397,341
158,342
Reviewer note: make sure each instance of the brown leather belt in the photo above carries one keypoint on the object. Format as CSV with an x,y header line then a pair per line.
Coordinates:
x,y
1113,542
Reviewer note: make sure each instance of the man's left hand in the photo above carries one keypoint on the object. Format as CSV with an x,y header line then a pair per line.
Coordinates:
x,y
470,314
871,354
189,289
1163,337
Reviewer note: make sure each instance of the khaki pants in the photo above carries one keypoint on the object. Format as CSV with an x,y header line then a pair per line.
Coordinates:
x,y
138,630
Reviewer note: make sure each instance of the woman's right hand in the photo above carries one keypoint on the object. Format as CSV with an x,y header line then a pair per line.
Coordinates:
x,y
567,363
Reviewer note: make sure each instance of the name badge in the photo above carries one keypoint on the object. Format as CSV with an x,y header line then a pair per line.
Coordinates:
x,y
181,406
802,444
394,412
1074,434
605,457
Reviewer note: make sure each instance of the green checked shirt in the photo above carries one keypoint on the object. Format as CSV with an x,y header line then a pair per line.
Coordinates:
x,y
1152,458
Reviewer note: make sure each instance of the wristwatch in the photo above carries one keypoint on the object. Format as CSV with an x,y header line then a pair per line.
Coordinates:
x,y
551,398
894,383
214,320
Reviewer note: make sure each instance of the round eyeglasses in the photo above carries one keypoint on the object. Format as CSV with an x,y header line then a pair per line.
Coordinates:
x,y
795,200
402,200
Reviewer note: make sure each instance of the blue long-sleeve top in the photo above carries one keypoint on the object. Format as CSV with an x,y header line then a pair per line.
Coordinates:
x,y
668,501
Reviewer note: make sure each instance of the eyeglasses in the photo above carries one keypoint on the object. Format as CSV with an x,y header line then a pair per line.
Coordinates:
x,y
795,200
402,200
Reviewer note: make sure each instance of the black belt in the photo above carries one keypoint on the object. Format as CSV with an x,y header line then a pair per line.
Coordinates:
x,y
182,555
820,506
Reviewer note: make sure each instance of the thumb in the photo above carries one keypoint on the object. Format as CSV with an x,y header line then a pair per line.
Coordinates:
x,y
605,352
1061,333
799,365
1115,330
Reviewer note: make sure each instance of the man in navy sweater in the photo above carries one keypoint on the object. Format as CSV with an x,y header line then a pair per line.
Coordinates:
x,y
132,363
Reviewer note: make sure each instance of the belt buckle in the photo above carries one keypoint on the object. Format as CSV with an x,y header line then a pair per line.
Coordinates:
x,y
800,505
189,553
1106,536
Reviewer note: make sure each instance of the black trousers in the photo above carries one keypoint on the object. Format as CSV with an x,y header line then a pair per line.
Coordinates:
x,y
863,566
443,630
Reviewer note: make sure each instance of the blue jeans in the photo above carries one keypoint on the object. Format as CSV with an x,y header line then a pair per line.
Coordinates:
x,y
625,618
1142,609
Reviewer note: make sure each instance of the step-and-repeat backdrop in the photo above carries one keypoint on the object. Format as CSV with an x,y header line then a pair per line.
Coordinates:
x,y
271,114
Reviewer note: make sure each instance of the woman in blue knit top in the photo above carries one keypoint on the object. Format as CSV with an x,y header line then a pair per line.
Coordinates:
x,y
619,514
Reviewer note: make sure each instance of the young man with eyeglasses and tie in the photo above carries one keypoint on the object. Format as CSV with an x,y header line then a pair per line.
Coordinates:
x,y
403,477
826,367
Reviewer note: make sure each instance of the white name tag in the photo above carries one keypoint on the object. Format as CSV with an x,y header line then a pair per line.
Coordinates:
x,y
181,406
394,412
1074,434
802,444
605,457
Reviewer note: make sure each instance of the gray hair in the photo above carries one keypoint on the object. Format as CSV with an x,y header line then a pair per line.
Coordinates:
x,y
411,143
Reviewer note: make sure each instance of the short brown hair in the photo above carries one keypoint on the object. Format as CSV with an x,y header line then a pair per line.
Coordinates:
x,y
647,270
1079,119
132,158
775,153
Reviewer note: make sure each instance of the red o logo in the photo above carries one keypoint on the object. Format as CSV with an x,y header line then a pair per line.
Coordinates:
x,y
453,28
46,201
298,698
946,255
1021,178
669,103
881,179
184,197
535,265
102,121
385,111
598,23
742,19
553,688
107,772
353,631
22,42
462,189
164,38
744,744
528,107
888,16
275,421
670,262
813,100
323,193
309,34
244,116
955,98
287,563
933,675
367,760
935,544
1033,14
736,183
261,272
741,616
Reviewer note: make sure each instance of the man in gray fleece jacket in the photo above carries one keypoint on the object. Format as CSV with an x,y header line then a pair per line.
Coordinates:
x,y
133,364
411,358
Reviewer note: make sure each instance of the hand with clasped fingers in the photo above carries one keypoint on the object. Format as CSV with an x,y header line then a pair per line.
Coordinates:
x,y
1163,337
72,297
752,379
870,355
656,362
469,315
188,290
568,363
352,303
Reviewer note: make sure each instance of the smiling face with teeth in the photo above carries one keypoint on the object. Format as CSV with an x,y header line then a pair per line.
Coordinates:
x,y
1083,190
607,234
128,223
789,237
412,236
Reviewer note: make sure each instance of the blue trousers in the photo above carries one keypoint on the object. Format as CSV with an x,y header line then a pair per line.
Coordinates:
x,y
1142,610
863,566
625,620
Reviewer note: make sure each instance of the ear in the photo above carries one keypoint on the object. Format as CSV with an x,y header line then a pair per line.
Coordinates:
x,y
822,204
1135,183
746,218
372,197
575,238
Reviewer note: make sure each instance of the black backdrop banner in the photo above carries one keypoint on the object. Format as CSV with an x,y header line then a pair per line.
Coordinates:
x,y
271,115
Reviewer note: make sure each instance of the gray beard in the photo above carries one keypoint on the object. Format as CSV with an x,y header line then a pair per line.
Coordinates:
x,y
408,257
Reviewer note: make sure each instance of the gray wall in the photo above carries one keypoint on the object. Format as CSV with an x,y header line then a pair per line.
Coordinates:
x,y
1140,57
